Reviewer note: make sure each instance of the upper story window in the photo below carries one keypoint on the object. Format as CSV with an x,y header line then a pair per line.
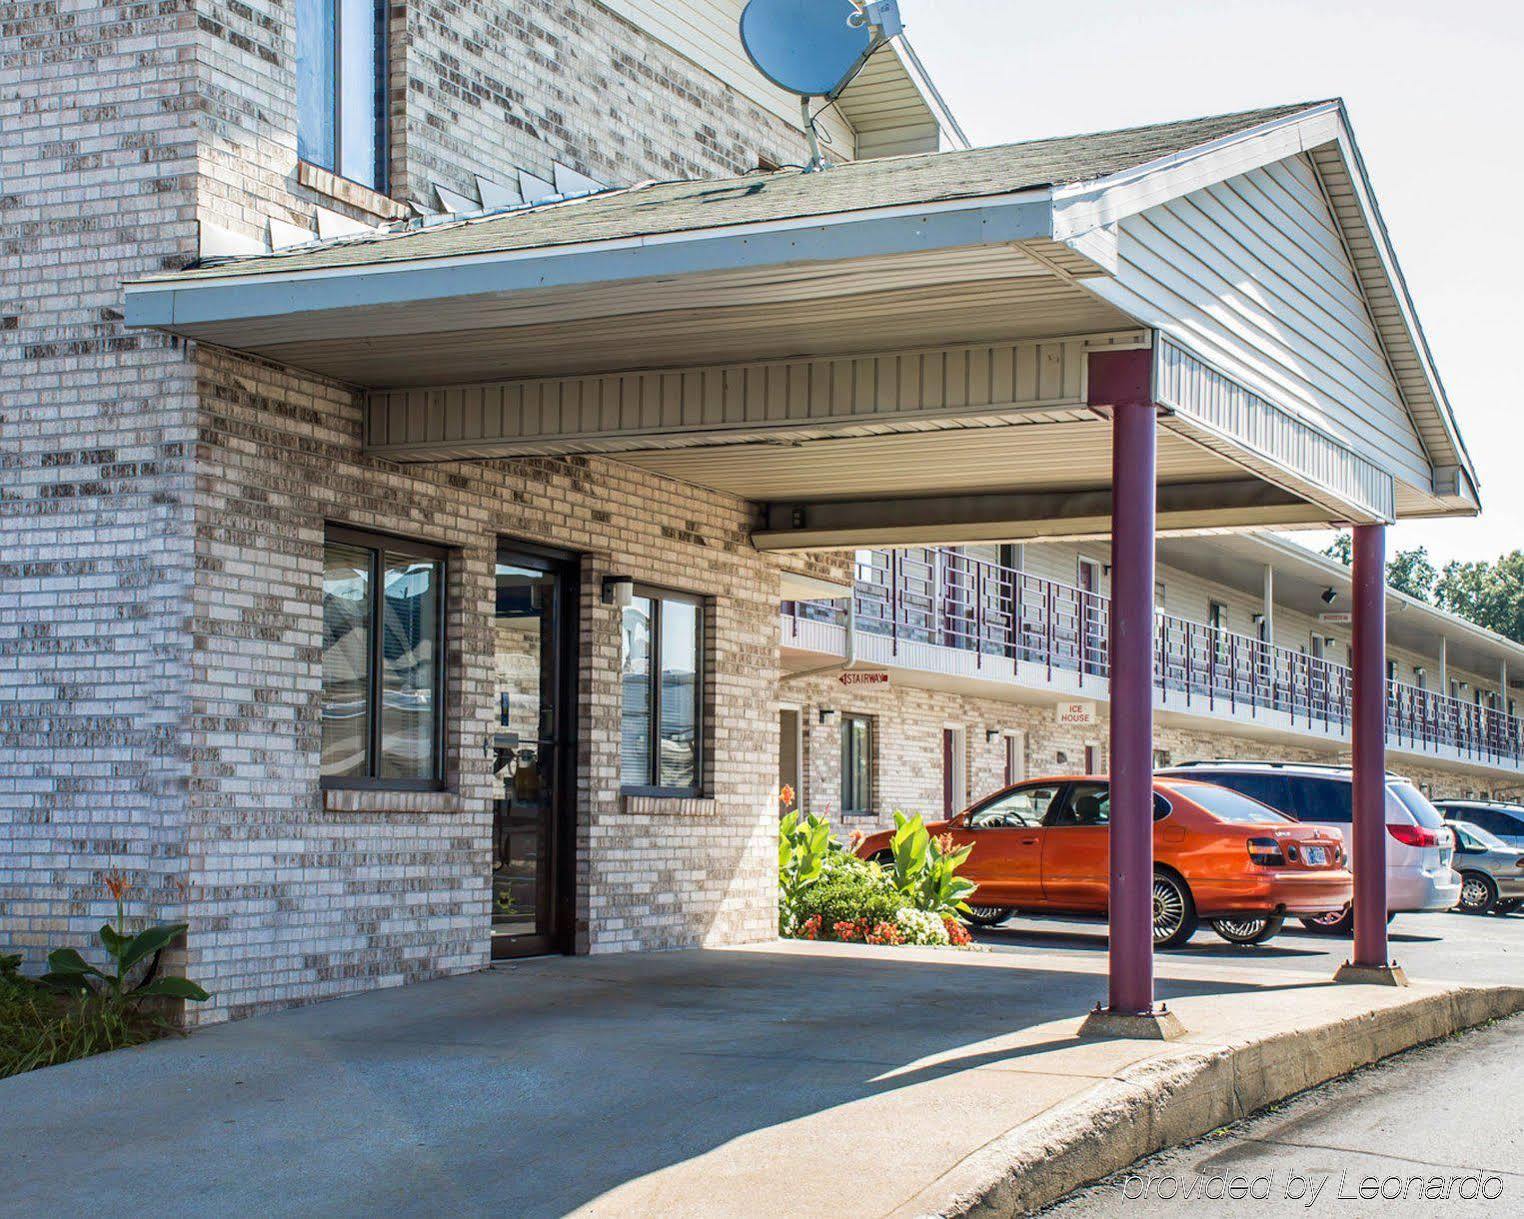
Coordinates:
x,y
662,695
383,670
341,88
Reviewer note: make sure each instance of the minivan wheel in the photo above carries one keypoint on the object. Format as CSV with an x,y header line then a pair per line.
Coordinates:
x,y
1478,893
988,916
1175,918
1245,930
1335,922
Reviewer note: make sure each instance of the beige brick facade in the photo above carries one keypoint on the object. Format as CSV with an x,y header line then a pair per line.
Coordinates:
x,y
163,514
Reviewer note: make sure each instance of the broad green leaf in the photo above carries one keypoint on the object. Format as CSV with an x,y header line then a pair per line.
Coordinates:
x,y
67,961
150,940
174,988
113,939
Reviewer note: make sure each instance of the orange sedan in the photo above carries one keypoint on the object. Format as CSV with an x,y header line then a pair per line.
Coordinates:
x,y
1041,847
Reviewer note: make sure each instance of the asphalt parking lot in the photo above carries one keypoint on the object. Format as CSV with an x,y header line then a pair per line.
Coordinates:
x,y
1441,947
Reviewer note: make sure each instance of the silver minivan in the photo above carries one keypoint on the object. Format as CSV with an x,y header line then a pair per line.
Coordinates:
x,y
1420,847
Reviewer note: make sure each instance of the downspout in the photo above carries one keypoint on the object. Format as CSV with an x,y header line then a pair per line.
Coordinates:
x,y
848,660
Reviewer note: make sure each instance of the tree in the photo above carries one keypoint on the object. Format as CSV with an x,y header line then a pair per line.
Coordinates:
x,y
1488,594
1411,572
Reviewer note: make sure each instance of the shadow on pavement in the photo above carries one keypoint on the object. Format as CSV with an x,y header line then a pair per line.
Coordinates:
x,y
527,1091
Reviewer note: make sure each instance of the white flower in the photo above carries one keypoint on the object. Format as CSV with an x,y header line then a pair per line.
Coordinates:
x,y
921,927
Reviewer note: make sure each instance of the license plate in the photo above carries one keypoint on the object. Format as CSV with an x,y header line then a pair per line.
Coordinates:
x,y
1317,856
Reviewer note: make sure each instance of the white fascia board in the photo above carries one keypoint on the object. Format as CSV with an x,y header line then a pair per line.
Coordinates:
x,y
1417,339
1087,205
168,302
935,103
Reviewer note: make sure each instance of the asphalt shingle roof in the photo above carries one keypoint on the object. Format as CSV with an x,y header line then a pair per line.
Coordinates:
x,y
674,207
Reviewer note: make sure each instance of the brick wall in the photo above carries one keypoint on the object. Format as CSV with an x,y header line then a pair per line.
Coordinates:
x,y
162,508
97,170
294,898
474,88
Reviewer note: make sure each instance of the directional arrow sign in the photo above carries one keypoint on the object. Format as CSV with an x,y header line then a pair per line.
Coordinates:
x,y
864,677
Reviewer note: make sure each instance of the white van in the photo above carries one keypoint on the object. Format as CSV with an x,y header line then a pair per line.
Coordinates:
x,y
1419,845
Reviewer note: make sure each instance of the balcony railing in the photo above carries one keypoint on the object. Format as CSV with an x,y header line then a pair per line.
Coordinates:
x,y
963,602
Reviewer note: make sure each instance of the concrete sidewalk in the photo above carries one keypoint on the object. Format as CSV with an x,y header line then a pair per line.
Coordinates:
x,y
787,1079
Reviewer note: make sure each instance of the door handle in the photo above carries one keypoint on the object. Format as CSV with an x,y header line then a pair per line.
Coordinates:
x,y
1029,842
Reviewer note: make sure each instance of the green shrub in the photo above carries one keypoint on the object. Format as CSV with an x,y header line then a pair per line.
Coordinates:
x,y
849,890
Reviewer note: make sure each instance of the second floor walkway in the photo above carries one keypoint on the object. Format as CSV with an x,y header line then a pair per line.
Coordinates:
x,y
969,623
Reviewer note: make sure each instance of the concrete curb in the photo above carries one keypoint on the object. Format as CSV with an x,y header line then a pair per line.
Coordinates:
x,y
1171,1099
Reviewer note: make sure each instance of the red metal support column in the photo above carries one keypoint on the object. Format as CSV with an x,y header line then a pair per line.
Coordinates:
x,y
1368,736
1134,442
1121,382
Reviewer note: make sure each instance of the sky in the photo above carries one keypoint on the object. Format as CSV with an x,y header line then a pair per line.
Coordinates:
x,y
1435,93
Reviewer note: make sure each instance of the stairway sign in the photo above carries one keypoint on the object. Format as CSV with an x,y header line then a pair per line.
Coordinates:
x,y
864,677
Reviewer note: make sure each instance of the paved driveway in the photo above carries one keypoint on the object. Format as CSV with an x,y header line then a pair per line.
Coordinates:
x,y
524,1091
797,1079
1439,947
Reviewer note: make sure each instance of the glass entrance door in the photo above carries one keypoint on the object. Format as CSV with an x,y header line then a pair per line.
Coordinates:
x,y
531,748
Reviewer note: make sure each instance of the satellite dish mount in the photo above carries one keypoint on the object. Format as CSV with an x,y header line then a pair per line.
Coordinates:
x,y
814,48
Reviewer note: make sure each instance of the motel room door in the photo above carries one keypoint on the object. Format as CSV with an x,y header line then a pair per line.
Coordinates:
x,y
535,672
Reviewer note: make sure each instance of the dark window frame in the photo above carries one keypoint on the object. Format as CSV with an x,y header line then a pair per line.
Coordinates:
x,y
866,808
382,167
378,545
656,595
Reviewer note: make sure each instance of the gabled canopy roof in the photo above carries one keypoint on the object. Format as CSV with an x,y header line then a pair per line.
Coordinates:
x,y
658,209
1008,235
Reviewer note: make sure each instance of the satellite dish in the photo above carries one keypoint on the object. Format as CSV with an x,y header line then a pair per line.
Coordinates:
x,y
815,47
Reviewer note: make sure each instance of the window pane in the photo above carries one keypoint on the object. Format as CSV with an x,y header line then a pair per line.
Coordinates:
x,y
1228,805
1319,800
359,80
635,681
409,667
856,764
1025,807
346,659
679,694
314,81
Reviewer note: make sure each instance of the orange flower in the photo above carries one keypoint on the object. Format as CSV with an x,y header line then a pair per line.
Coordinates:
x,y
945,844
786,796
855,840
117,884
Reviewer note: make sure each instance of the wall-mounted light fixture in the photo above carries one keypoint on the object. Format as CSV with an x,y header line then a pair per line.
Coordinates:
x,y
991,735
1061,758
618,591
1329,596
828,715
1257,619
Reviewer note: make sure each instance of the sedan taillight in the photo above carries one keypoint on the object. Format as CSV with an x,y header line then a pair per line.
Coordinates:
x,y
1266,852
1413,835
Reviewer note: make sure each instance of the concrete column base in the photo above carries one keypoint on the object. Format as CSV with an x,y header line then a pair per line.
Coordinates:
x,y
1371,975
1160,1025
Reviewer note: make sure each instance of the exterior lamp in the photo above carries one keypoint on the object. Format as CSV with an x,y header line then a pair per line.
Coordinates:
x,y
991,735
828,715
618,591
1329,596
